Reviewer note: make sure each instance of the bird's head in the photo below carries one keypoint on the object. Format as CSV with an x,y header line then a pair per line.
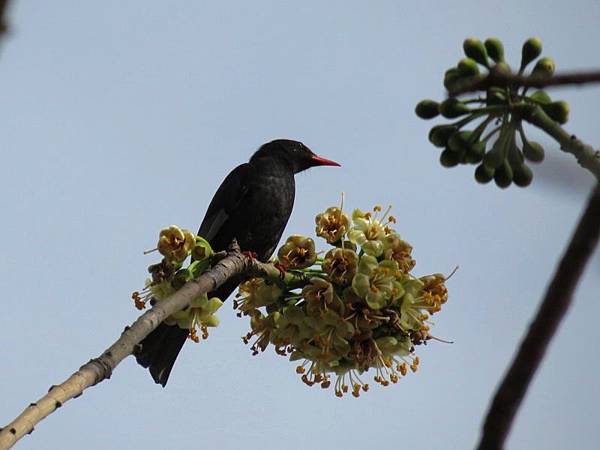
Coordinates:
x,y
294,153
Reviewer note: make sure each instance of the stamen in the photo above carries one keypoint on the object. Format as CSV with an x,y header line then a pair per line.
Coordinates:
x,y
451,273
440,340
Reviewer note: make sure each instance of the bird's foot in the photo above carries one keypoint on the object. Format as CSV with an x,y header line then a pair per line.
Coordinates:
x,y
252,255
281,268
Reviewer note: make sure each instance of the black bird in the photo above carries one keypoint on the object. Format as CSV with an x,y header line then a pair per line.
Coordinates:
x,y
252,205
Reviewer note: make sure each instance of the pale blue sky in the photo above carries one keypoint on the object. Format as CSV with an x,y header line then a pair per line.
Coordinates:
x,y
118,118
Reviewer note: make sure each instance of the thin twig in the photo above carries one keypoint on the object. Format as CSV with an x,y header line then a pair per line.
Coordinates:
x,y
556,302
499,78
100,369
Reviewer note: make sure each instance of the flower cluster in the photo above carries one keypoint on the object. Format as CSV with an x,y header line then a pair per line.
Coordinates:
x,y
359,309
169,275
501,152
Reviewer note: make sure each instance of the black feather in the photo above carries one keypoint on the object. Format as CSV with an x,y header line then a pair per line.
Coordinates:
x,y
252,205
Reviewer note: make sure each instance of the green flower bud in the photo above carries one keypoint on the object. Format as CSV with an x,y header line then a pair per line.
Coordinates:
x,y
475,152
540,97
427,109
558,111
497,155
475,49
493,159
532,48
503,175
452,108
484,174
471,158
544,67
502,68
522,176
533,151
459,141
495,49
478,148
515,156
467,67
202,249
440,134
448,158
451,77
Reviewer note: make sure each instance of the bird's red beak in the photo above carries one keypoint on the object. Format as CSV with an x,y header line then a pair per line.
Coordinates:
x,y
317,160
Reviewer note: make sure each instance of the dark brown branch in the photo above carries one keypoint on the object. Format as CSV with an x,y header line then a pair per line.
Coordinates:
x,y
498,78
3,24
556,302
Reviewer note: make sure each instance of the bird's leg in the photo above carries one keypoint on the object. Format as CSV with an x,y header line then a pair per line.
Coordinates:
x,y
281,268
252,255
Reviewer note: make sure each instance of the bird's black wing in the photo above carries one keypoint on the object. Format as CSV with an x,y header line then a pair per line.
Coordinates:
x,y
160,348
227,198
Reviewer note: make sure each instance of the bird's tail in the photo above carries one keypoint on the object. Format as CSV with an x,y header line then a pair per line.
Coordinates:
x,y
158,351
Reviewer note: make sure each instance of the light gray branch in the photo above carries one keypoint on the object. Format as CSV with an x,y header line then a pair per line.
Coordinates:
x,y
101,368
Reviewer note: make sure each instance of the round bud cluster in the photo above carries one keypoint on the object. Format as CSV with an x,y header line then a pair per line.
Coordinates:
x,y
169,275
488,132
360,308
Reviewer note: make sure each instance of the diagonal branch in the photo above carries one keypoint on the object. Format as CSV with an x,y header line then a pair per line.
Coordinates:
x,y
556,302
500,78
100,368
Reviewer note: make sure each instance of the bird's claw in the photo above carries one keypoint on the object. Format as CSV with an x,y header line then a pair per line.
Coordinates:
x,y
281,268
252,255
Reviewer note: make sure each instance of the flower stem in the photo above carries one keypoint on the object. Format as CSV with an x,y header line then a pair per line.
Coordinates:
x,y
586,156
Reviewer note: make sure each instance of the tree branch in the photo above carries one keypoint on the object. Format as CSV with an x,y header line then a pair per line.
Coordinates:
x,y
499,78
100,368
586,156
557,300
3,24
